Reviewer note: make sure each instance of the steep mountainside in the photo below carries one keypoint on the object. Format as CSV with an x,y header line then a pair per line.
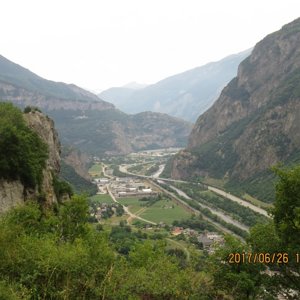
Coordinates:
x,y
184,95
14,192
12,74
78,160
85,121
120,97
255,123
113,132
74,170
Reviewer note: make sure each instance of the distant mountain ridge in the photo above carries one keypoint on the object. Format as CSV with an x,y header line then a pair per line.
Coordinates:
x,y
185,95
255,123
84,120
12,73
135,85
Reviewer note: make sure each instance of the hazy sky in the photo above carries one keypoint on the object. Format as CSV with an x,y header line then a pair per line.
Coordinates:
x,y
97,44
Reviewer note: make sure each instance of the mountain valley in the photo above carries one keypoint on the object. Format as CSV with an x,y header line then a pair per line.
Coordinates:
x,y
85,121
186,95
97,203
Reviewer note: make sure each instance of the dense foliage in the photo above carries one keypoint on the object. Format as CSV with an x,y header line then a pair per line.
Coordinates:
x,y
23,154
281,235
61,187
260,186
60,256
196,223
29,109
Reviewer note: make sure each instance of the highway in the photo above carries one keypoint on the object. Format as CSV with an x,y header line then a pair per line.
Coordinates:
x,y
197,212
220,214
238,200
218,191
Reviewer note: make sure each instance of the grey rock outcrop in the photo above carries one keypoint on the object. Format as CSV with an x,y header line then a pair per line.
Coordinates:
x,y
13,193
255,123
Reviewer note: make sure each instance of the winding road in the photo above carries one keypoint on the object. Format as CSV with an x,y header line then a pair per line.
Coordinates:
x,y
126,208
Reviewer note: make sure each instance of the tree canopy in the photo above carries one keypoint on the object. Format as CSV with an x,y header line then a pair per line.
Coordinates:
x,y
23,154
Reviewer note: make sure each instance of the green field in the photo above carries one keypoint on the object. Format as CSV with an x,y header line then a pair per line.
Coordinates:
x,y
165,211
133,203
113,221
162,211
105,198
96,170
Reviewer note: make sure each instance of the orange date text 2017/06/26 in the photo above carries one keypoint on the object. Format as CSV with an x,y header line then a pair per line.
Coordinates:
x,y
262,258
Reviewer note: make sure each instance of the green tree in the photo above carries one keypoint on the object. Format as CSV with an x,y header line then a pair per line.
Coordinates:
x,y
23,154
61,187
281,235
73,216
264,238
238,278
287,207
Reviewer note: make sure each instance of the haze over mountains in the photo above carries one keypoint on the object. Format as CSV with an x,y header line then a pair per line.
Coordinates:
x,y
185,95
85,121
255,123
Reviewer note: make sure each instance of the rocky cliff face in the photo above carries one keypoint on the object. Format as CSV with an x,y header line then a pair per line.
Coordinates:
x,y
255,123
23,87
13,193
23,97
78,161
44,127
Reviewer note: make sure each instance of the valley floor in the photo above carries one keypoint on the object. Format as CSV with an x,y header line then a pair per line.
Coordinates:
x,y
140,177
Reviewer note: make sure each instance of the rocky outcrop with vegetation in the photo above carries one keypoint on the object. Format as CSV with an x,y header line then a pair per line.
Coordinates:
x,y
30,157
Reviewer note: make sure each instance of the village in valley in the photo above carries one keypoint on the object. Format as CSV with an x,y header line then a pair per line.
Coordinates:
x,y
141,203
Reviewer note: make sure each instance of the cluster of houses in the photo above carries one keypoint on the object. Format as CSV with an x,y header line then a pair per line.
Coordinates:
x,y
206,238
100,210
155,153
103,210
101,184
130,187
124,187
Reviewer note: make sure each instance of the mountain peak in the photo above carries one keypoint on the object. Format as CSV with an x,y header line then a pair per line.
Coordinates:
x,y
184,95
32,89
254,124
